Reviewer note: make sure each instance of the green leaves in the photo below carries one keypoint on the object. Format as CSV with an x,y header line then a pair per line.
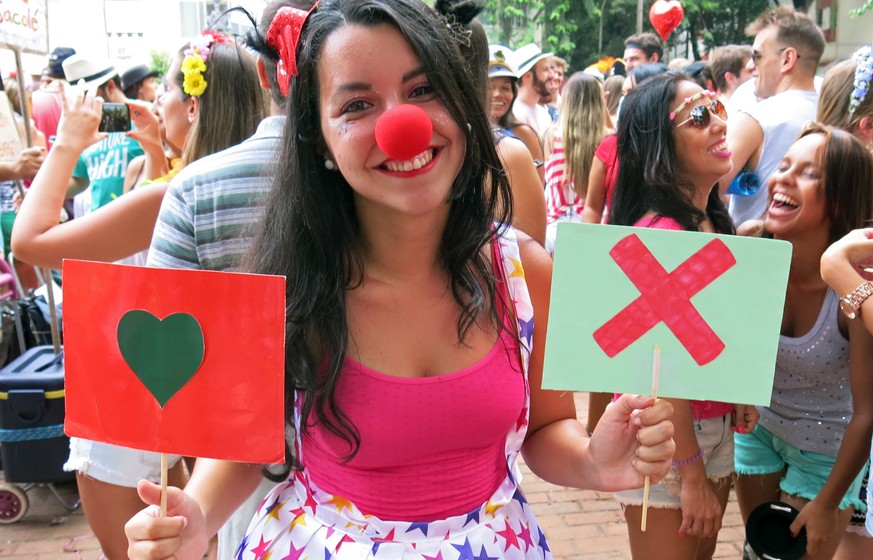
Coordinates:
x,y
511,23
571,29
868,5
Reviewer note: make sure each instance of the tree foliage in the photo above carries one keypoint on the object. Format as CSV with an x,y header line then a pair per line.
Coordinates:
x,y
717,23
160,62
516,22
584,31
868,5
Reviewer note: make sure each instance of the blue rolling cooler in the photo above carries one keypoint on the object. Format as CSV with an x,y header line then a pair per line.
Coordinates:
x,y
33,446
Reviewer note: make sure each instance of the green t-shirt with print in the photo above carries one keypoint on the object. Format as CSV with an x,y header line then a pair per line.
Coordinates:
x,y
105,164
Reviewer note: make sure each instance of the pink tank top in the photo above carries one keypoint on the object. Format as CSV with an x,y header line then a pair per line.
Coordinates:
x,y
430,447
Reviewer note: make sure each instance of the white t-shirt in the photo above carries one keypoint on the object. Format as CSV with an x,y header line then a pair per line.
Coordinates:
x,y
742,98
536,117
781,118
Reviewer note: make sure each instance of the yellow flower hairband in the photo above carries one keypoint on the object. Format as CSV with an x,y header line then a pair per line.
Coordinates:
x,y
194,61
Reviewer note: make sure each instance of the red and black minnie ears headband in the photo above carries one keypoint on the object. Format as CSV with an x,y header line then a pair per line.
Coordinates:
x,y
284,36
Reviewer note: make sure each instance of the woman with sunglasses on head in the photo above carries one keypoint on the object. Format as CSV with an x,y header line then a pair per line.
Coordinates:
x,y
599,192
671,139
813,440
410,304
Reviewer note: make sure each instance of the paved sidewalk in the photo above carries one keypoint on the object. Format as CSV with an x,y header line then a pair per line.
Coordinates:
x,y
579,524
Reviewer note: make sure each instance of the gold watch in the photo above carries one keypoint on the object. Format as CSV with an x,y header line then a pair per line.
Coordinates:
x,y
851,302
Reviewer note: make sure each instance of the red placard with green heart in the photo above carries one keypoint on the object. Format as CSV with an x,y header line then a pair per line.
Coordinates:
x,y
187,362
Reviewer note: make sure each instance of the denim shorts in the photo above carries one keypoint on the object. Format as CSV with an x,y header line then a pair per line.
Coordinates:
x,y
715,438
113,464
762,452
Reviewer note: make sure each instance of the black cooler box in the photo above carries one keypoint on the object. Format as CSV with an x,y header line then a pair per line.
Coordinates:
x,y
33,446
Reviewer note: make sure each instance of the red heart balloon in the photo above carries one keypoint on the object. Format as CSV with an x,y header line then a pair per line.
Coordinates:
x,y
666,15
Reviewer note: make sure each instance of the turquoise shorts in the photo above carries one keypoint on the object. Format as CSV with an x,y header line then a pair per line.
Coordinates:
x,y
762,452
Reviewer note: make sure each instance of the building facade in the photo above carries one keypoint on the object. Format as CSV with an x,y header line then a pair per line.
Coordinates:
x,y
128,31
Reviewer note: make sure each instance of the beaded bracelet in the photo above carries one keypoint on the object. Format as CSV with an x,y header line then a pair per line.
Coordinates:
x,y
693,459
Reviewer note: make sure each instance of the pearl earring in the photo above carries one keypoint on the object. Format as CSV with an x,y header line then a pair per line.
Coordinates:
x,y
329,164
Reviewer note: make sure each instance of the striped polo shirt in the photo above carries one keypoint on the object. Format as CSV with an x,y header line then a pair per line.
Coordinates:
x,y
207,216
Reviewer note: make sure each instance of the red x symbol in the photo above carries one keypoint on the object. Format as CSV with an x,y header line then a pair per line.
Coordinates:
x,y
666,297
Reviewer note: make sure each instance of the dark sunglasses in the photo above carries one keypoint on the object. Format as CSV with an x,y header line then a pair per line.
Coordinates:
x,y
699,116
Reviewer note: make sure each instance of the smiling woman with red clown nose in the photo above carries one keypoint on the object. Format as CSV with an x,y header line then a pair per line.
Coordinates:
x,y
413,363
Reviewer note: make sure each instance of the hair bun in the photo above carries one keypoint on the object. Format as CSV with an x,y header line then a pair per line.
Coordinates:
x,y
463,11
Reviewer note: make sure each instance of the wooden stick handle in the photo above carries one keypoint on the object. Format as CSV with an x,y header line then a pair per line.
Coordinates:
x,y
656,375
164,470
645,504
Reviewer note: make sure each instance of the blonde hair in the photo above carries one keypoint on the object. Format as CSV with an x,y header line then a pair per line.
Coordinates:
x,y
833,100
583,126
560,63
612,86
232,105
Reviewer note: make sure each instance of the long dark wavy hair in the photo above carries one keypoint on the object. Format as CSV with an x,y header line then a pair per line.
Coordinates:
x,y
310,232
649,175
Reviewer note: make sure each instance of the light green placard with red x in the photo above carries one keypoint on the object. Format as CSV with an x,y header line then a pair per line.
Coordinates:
x,y
712,302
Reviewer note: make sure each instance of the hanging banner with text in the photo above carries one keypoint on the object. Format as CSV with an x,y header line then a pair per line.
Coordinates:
x,y
10,142
24,25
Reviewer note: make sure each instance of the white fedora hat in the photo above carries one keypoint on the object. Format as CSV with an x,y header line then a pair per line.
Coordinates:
x,y
527,56
94,73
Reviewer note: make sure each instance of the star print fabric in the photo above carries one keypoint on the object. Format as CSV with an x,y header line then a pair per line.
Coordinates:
x,y
297,520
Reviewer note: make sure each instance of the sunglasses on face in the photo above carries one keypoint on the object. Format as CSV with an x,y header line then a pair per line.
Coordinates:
x,y
699,116
758,56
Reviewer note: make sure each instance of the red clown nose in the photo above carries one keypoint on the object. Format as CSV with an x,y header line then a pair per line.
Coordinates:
x,y
403,132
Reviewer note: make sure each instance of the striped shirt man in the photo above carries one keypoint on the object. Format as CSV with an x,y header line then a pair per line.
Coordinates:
x,y
210,206
206,223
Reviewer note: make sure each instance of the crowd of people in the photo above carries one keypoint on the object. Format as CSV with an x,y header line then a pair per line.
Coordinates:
x,y
418,287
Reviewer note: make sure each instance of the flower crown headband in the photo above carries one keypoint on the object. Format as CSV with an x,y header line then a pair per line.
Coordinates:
x,y
689,100
284,36
863,75
194,61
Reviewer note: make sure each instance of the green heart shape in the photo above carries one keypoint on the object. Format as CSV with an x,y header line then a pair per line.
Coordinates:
x,y
164,354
